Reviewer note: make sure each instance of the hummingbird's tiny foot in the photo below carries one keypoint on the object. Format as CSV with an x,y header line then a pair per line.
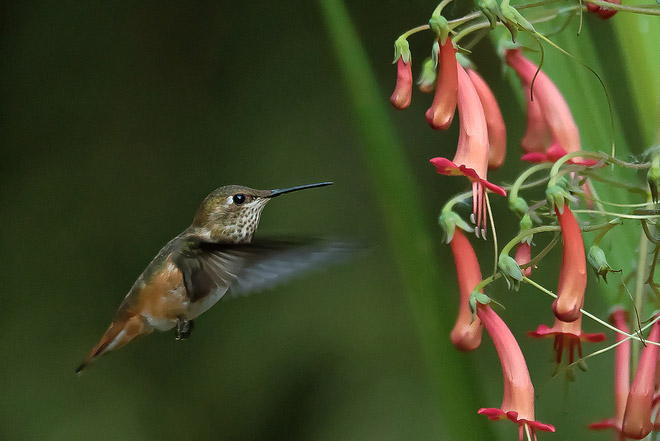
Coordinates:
x,y
183,328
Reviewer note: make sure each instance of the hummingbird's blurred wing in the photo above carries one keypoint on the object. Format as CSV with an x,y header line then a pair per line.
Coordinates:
x,y
246,268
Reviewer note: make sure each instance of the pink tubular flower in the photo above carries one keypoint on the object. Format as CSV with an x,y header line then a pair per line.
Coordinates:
x,y
518,401
403,89
603,13
637,418
471,159
523,256
621,377
466,334
537,135
564,133
568,337
494,121
441,112
573,272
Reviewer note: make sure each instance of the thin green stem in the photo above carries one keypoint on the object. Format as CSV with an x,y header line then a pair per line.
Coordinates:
x,y
493,229
515,188
513,242
412,31
604,231
639,296
621,215
438,9
588,314
642,9
612,346
628,187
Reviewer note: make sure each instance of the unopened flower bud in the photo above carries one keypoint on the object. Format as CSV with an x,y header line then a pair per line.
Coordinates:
x,y
511,271
427,78
403,89
448,221
598,261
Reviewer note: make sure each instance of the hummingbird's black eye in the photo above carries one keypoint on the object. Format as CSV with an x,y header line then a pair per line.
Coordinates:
x,y
238,199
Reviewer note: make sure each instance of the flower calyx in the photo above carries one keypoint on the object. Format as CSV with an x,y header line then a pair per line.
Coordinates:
x,y
525,225
556,194
449,220
514,21
401,50
491,11
440,26
478,298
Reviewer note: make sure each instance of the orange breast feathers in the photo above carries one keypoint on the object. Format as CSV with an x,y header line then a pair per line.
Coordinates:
x,y
163,298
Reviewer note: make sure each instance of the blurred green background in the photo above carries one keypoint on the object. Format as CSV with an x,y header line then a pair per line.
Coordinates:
x,y
119,118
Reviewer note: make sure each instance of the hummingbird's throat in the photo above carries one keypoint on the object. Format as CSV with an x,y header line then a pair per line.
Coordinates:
x,y
239,228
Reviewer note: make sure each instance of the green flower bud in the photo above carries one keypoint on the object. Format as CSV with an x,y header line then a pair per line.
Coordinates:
x,y
428,76
511,271
598,261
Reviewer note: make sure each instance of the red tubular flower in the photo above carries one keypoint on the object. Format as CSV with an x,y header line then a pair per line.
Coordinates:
x,y
494,121
621,377
471,159
568,337
518,401
573,272
523,256
441,112
637,418
404,81
603,13
552,106
466,334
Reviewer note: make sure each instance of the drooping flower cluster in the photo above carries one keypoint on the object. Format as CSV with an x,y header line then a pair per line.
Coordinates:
x,y
552,142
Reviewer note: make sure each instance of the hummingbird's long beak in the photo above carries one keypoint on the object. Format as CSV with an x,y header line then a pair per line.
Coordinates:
x,y
280,191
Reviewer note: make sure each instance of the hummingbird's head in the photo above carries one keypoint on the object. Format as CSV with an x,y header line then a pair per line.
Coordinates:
x,y
231,213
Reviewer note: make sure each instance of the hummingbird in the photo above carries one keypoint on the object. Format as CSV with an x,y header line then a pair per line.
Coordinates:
x,y
214,255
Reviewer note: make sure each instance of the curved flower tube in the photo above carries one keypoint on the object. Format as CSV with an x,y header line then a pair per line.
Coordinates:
x,y
537,136
494,121
403,90
523,256
573,272
441,113
518,401
621,377
551,105
466,334
637,422
471,159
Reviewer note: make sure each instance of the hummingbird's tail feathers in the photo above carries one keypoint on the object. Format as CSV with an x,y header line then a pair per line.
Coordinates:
x,y
117,335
